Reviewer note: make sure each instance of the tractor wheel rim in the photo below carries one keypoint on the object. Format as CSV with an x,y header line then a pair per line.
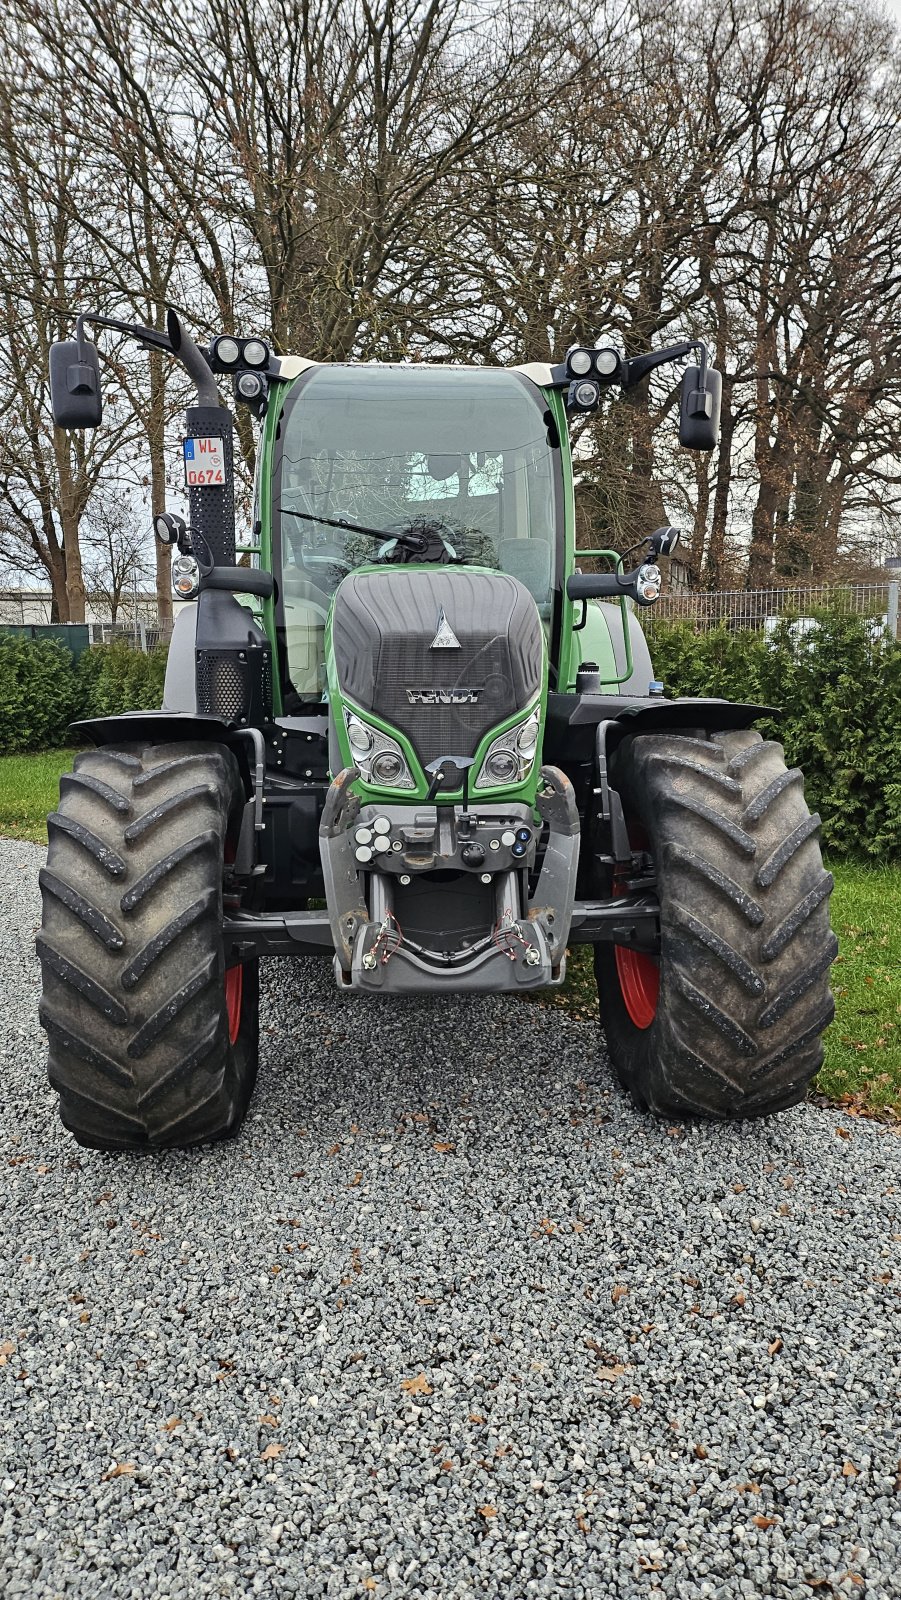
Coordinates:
x,y
639,982
638,972
234,991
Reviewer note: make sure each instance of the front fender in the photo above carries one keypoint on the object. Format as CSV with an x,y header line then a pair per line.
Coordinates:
x,y
157,727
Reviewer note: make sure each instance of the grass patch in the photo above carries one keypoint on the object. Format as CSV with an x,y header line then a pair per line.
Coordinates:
x,y
29,788
863,1046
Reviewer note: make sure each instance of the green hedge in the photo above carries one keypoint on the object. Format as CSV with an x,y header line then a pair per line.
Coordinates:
x,y
838,690
42,689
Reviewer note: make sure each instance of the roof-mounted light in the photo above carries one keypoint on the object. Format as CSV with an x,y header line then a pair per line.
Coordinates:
x,y
579,363
255,353
584,396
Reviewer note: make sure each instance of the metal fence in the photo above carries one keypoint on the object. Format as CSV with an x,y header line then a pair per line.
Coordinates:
x,y
763,608
138,635
27,608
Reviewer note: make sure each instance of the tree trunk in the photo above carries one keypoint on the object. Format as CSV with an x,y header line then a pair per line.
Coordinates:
x,y
156,418
716,548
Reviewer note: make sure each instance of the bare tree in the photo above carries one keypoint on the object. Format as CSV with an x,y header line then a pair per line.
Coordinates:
x,y
118,565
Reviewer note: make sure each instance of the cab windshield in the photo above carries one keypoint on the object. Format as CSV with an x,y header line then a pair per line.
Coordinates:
x,y
462,454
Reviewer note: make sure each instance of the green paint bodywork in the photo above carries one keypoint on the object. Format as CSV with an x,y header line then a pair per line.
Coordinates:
x,y
591,642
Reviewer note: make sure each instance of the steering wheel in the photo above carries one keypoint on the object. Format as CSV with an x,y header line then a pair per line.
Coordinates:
x,y
438,549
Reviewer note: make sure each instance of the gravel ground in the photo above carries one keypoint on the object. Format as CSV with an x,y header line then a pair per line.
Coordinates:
x,y
448,1319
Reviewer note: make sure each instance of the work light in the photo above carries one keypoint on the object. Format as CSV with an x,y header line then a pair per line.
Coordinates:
x,y
225,352
255,353
579,363
168,527
585,396
606,362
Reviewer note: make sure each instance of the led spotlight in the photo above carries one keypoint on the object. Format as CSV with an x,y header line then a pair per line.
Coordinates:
x,y
225,352
255,353
585,396
579,363
606,362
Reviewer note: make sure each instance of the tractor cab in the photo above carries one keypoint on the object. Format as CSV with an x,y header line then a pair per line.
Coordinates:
x,y
461,459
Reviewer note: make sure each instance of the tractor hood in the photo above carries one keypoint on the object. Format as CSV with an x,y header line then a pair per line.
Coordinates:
x,y
442,655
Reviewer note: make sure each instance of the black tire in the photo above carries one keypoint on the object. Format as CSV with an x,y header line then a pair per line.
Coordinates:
x,y
746,944
144,1052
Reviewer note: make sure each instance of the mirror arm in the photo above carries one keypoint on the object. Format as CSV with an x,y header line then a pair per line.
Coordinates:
x,y
175,342
148,336
640,366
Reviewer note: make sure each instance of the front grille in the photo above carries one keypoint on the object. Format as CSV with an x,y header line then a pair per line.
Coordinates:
x,y
383,628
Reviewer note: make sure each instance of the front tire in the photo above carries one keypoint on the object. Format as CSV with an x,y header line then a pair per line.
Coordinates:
x,y
152,1044
729,1022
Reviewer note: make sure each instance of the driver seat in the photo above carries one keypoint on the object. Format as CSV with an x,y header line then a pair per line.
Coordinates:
x,y
305,609
529,560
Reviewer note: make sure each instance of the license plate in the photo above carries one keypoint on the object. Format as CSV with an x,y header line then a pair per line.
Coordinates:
x,y
205,463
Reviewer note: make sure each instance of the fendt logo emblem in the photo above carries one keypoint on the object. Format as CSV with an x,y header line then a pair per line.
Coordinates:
x,y
445,638
443,697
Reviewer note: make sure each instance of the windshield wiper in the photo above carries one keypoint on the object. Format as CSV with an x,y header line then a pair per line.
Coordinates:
x,y
417,542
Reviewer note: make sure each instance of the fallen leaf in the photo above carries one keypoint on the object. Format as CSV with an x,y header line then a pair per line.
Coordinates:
x,y
6,1350
738,1299
581,1524
849,1470
334,1150
635,1400
447,1466
774,1348
418,1385
701,1452
474,1417
610,1374
355,1180
369,1583
763,1522
747,1488
271,1451
267,1420
172,1424
620,1290
487,1512
443,1148
842,1133
119,1469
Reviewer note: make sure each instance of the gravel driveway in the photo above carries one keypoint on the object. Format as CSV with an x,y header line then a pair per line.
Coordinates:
x,y
448,1319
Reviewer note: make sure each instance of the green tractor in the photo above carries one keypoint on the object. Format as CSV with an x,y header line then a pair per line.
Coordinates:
x,y
417,732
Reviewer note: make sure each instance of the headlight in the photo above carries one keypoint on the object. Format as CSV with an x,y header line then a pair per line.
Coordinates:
x,y
510,756
378,758
387,767
359,737
527,738
502,766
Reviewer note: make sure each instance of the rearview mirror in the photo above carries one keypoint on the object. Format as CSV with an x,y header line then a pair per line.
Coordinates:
x,y
699,419
75,397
